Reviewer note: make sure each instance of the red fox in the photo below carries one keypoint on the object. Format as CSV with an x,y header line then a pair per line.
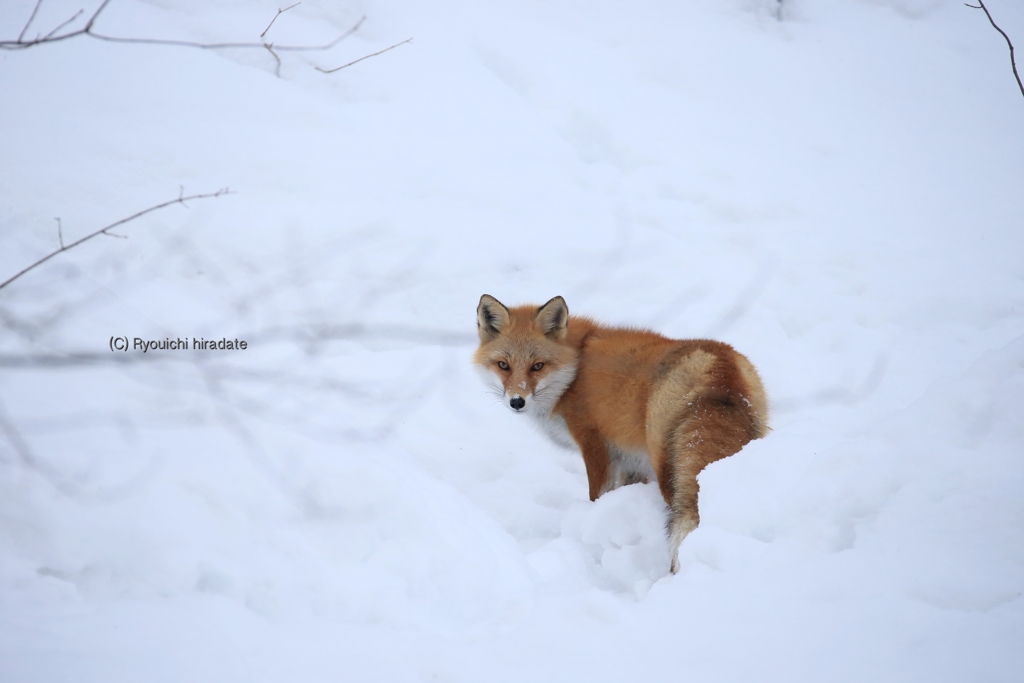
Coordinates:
x,y
638,405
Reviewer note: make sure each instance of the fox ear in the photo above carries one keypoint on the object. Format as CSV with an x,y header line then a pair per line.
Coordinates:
x,y
553,318
491,317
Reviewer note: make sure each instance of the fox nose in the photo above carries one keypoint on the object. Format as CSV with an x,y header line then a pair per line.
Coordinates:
x,y
517,402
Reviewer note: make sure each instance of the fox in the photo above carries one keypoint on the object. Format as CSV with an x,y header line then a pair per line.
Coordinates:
x,y
638,405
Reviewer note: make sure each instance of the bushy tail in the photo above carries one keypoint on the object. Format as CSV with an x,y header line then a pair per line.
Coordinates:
x,y
716,425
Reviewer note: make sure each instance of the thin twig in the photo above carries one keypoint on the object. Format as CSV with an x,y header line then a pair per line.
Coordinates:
x,y
277,68
71,487
279,13
53,37
270,46
215,46
330,71
218,46
105,231
92,19
1013,61
28,23
60,233
49,36
29,459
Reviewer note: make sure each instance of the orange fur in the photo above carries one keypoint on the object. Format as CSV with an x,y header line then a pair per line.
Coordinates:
x,y
637,404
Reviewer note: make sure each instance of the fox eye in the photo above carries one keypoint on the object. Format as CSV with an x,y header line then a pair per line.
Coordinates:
x,y
537,366
503,365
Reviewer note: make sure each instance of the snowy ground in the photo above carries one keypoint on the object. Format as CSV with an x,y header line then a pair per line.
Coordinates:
x,y
835,189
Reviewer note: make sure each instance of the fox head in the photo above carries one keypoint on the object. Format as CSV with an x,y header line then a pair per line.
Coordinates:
x,y
523,353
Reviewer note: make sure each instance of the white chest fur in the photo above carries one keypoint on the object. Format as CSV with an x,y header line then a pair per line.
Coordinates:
x,y
548,391
554,426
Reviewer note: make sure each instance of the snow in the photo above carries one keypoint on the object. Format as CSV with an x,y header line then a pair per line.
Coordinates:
x,y
834,188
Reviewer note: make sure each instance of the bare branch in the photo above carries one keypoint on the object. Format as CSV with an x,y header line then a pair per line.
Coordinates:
x,y
92,19
71,487
49,35
87,30
330,71
52,37
270,46
60,234
29,459
106,231
279,13
216,46
28,23
1013,61
277,67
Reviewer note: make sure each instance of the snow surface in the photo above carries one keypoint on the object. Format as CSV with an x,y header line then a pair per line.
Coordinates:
x,y
833,187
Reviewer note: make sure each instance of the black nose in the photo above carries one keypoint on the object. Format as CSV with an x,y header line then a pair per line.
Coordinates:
x,y
518,402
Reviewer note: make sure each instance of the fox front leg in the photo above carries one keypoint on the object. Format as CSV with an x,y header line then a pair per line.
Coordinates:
x,y
595,456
